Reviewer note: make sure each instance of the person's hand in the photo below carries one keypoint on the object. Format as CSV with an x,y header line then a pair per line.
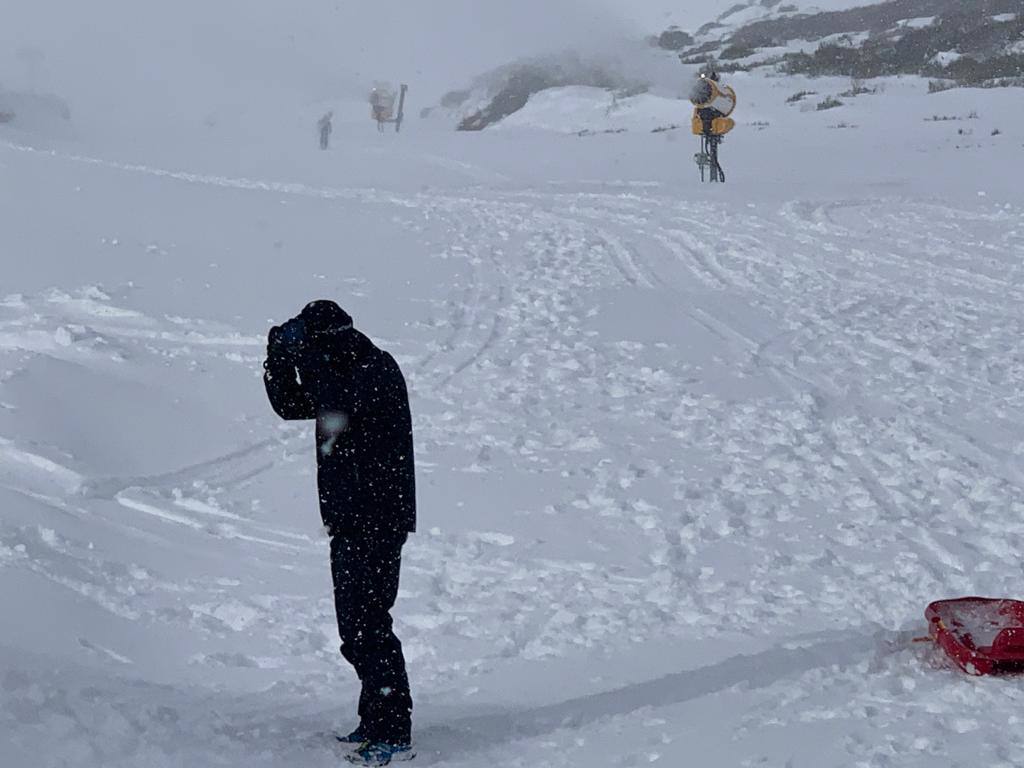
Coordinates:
x,y
275,343
284,342
293,333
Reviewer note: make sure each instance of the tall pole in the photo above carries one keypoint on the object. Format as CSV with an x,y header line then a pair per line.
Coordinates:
x,y
712,142
401,108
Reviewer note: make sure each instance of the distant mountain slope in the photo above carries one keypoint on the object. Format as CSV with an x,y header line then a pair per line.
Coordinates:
x,y
659,14
958,42
970,42
875,18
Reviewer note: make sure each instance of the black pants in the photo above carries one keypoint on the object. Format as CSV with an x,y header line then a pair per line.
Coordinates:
x,y
365,572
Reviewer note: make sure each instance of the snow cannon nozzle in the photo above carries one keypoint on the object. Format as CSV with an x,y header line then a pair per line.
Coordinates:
x,y
702,92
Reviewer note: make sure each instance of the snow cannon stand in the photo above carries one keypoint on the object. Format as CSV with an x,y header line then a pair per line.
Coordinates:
x,y
984,636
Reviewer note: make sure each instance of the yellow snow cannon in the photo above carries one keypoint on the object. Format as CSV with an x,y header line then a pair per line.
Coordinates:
x,y
713,103
382,105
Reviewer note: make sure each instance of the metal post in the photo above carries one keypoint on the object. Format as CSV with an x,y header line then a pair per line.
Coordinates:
x,y
717,174
401,108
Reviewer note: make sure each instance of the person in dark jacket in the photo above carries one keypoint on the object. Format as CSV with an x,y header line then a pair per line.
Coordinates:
x,y
325,128
319,367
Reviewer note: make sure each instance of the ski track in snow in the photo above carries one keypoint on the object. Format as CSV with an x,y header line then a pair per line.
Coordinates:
x,y
842,446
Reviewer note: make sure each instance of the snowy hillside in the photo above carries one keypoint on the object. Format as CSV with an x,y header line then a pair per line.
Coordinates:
x,y
966,42
692,459
978,43
691,15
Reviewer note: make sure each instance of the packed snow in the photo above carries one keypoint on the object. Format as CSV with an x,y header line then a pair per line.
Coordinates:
x,y
692,460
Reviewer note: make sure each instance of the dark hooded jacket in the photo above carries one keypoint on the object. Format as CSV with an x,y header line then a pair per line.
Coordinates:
x,y
357,394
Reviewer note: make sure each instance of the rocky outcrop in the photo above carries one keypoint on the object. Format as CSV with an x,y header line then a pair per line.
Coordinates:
x,y
968,41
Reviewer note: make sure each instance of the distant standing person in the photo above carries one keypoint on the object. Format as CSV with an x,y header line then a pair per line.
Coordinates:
x,y
325,130
319,367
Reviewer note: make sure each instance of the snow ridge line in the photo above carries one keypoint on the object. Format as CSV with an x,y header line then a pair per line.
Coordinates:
x,y
230,182
68,479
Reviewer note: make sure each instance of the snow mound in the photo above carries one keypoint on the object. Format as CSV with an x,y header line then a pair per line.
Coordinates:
x,y
498,93
597,110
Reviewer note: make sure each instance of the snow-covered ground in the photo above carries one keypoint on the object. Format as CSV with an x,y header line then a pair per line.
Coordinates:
x,y
692,459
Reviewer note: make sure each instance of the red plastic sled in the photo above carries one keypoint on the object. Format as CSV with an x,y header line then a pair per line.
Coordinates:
x,y
982,635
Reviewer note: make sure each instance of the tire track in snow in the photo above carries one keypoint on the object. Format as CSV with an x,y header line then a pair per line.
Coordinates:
x,y
624,260
912,240
488,344
639,229
484,299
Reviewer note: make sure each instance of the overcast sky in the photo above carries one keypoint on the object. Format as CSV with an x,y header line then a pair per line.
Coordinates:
x,y
130,42
146,59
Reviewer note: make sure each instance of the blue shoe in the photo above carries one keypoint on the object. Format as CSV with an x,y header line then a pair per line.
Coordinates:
x,y
378,753
358,736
